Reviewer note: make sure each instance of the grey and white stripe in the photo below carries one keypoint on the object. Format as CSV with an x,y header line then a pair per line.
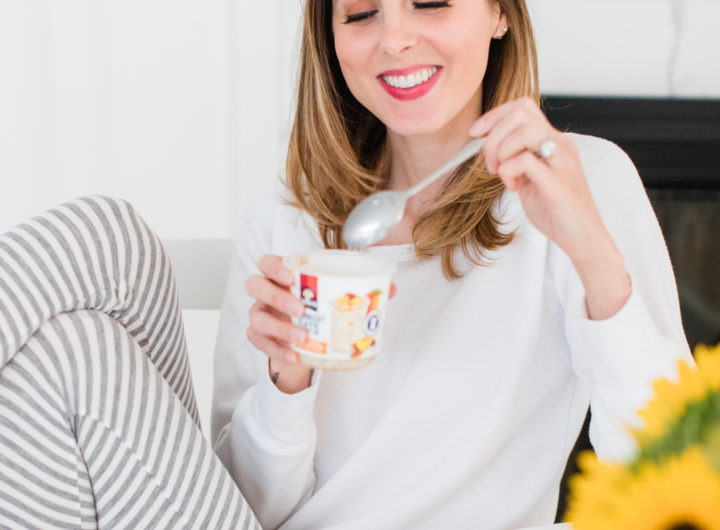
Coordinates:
x,y
98,422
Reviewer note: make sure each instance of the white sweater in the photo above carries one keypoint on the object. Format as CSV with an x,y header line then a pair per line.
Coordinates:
x,y
467,417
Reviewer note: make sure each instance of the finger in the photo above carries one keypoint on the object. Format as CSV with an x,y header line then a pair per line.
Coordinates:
x,y
259,306
393,291
271,347
512,121
272,267
281,330
526,137
265,291
488,120
274,312
524,166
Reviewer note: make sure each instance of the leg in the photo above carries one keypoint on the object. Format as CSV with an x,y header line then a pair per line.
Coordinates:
x,y
91,427
94,253
93,436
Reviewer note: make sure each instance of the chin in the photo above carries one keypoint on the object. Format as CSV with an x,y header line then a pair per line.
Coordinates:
x,y
421,121
413,127
417,131
414,131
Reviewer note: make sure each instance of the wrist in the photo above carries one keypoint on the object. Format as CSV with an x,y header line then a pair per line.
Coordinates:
x,y
605,279
289,378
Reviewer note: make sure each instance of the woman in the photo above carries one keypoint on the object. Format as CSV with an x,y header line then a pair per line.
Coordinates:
x,y
533,281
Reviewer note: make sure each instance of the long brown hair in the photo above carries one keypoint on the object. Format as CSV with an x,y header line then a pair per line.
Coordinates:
x,y
337,154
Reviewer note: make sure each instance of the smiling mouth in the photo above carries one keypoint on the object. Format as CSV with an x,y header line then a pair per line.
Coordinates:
x,y
411,80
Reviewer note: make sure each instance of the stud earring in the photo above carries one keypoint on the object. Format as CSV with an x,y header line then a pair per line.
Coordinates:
x,y
500,34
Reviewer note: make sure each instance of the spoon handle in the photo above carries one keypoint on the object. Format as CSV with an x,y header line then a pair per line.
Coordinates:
x,y
470,149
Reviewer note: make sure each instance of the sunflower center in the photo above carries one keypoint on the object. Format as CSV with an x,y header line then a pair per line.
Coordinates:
x,y
684,526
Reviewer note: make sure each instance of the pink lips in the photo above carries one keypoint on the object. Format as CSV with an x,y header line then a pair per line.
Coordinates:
x,y
415,92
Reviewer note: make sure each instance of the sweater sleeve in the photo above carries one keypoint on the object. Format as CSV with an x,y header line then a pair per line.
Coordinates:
x,y
619,358
265,438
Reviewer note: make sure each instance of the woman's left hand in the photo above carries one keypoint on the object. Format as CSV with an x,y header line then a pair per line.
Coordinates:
x,y
554,194
553,190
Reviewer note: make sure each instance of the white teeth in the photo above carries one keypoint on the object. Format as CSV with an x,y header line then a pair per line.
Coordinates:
x,y
409,81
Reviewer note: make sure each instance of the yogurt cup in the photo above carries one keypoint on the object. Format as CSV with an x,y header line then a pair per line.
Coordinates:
x,y
345,294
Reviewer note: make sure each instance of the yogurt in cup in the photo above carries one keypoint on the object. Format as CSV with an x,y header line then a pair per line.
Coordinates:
x,y
345,295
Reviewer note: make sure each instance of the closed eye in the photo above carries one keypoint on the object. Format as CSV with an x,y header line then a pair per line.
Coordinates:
x,y
430,5
356,17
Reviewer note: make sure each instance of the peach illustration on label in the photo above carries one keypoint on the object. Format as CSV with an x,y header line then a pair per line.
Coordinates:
x,y
360,346
374,297
314,346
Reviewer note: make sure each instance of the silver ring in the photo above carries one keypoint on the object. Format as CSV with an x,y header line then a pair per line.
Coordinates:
x,y
546,149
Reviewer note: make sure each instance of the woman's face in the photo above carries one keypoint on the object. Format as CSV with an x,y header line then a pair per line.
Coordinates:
x,y
417,66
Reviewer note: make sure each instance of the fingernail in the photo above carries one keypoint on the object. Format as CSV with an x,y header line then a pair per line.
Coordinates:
x,y
295,308
285,276
477,128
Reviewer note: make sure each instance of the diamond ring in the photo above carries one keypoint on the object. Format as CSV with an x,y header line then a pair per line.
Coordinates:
x,y
546,149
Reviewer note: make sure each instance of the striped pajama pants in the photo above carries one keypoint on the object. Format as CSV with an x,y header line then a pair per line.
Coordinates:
x,y
98,422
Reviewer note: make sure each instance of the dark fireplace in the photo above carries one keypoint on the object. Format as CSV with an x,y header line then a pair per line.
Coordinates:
x,y
675,145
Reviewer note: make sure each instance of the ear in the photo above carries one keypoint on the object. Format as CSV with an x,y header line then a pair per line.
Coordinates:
x,y
502,27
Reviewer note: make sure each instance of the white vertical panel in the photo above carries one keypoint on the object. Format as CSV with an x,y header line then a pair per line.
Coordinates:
x,y
169,72
290,22
262,85
27,156
81,93
255,93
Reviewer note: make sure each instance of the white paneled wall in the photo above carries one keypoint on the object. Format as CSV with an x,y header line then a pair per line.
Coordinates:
x,y
265,47
168,112
608,47
628,47
184,106
126,98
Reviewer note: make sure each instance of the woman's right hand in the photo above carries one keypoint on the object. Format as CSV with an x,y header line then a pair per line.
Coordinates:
x,y
271,329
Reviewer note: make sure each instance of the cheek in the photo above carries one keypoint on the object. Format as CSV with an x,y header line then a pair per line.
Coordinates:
x,y
474,55
349,53
355,64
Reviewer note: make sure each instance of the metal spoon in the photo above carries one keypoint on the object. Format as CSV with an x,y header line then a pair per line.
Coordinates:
x,y
376,214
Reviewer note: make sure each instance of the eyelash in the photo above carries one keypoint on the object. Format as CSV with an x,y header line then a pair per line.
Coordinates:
x,y
356,17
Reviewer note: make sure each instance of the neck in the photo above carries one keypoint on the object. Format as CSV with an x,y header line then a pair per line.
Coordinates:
x,y
412,158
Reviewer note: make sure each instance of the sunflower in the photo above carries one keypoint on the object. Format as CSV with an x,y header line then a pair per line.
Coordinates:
x,y
594,491
682,492
708,363
671,398
712,448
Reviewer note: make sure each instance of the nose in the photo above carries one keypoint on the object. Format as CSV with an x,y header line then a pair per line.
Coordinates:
x,y
397,35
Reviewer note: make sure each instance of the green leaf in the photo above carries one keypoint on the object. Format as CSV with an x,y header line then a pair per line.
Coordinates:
x,y
698,424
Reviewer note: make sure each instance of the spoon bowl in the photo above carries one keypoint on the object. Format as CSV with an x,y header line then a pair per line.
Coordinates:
x,y
373,217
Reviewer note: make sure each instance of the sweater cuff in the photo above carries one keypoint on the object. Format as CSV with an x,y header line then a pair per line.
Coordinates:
x,y
285,417
626,346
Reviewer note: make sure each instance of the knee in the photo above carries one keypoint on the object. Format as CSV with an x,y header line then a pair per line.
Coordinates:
x,y
107,213
82,355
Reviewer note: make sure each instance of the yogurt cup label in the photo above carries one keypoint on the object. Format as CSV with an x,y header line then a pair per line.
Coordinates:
x,y
344,294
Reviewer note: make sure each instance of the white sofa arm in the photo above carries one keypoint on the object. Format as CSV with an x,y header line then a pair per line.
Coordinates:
x,y
201,269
